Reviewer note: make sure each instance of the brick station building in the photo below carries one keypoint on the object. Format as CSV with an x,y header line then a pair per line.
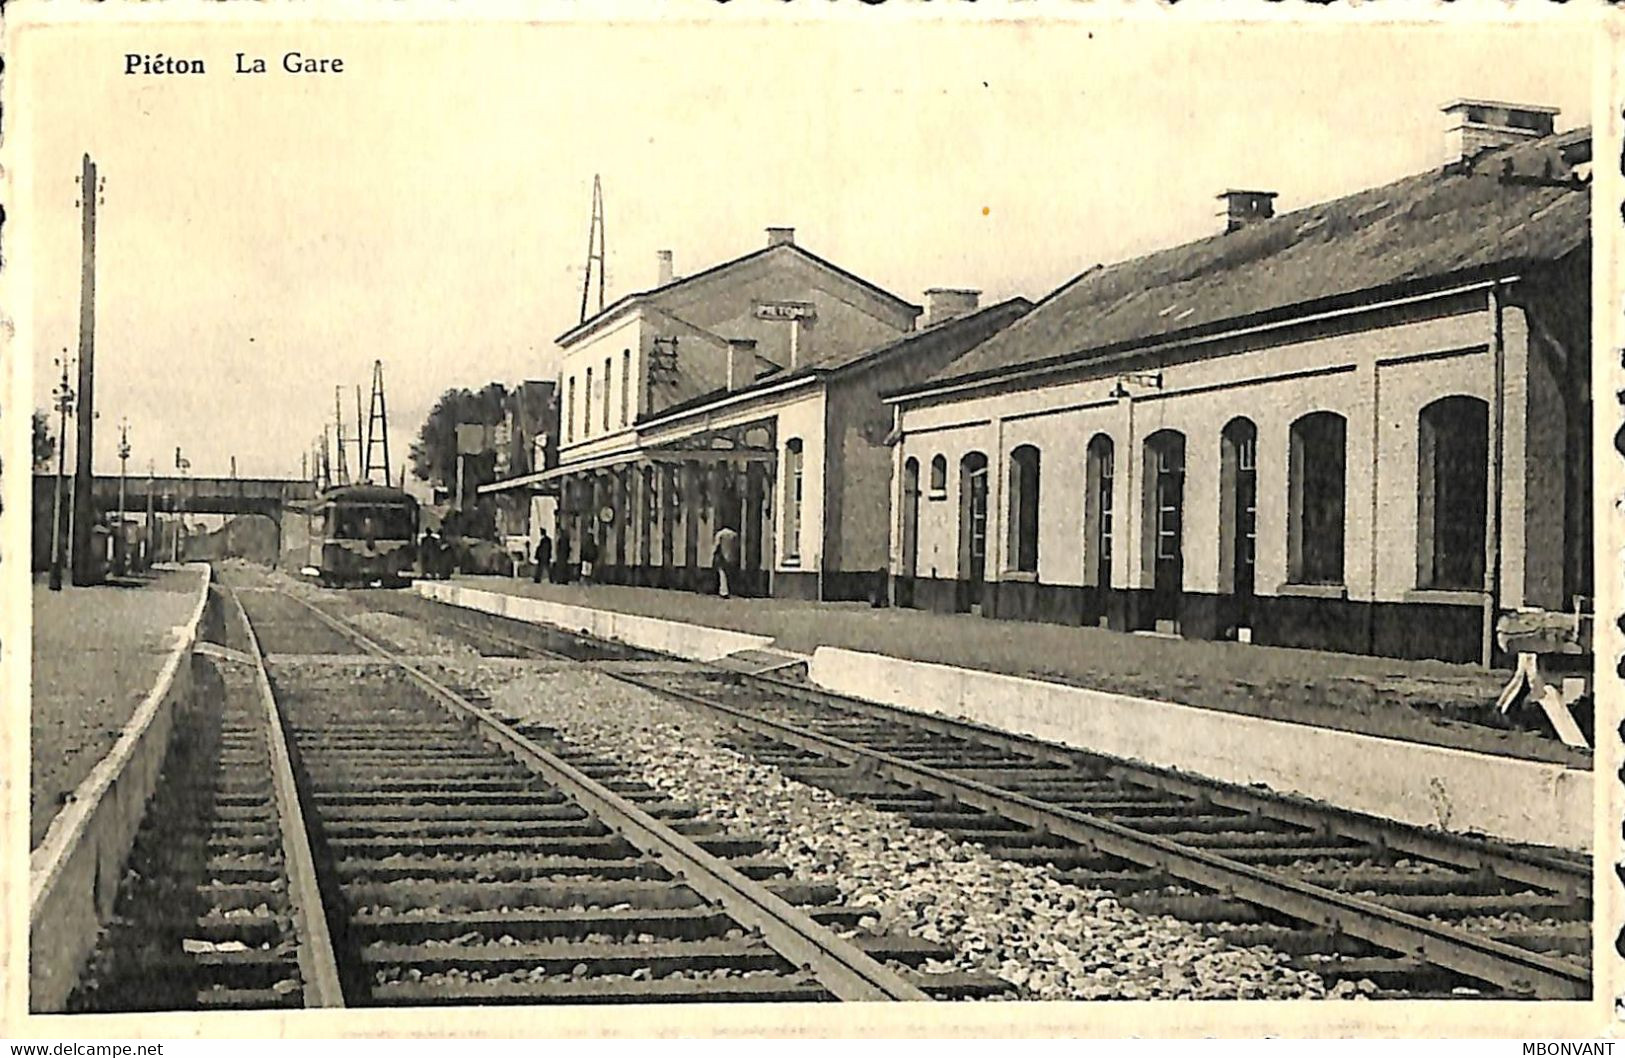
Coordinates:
x,y
1360,426
747,395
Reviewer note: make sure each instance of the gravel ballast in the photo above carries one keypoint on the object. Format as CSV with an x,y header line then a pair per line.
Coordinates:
x,y
1051,940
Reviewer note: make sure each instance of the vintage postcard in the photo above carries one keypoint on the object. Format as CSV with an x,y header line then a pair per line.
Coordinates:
x,y
854,522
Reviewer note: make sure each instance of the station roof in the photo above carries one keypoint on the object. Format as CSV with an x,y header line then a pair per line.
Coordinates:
x,y
1504,210
656,294
970,327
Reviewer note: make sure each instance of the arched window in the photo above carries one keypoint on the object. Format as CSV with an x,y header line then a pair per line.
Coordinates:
x,y
939,477
973,525
1022,523
911,517
1097,510
1453,436
1315,499
792,499
1238,505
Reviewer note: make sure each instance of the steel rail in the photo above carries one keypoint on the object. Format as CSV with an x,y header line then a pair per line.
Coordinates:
x,y
1458,850
318,968
1506,966
840,967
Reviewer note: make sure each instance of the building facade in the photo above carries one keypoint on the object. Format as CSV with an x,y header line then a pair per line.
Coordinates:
x,y
1362,426
746,397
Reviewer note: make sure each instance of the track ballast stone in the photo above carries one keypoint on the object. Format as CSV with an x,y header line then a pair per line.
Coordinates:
x,y
1049,939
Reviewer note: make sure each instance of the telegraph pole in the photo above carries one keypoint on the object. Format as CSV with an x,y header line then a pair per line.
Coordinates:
x,y
121,552
338,426
64,404
83,496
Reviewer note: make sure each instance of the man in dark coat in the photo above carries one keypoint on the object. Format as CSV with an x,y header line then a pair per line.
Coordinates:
x,y
564,573
544,557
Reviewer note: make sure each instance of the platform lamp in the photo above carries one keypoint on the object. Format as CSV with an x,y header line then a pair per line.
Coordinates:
x,y
63,396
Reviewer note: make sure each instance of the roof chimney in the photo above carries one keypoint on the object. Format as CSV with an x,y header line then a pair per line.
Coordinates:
x,y
781,236
741,362
1242,208
664,274
946,303
1474,125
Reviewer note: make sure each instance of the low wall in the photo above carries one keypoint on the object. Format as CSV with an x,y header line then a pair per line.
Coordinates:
x,y
1433,786
73,876
695,642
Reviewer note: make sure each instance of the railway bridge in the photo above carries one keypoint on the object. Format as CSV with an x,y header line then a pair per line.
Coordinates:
x,y
271,497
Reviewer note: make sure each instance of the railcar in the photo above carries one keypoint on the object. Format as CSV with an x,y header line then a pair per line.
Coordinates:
x,y
363,534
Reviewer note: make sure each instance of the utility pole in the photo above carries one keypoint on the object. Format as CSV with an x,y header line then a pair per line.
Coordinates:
x,y
338,426
64,404
595,248
90,189
182,465
362,462
377,425
121,552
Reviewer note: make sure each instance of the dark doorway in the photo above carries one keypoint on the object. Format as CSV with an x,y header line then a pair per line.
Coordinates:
x,y
907,556
972,529
1165,473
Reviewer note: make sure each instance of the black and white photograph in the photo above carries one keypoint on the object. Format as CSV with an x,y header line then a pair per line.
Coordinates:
x,y
643,524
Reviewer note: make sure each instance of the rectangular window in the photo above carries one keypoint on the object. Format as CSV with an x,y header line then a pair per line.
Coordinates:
x,y
607,365
586,405
626,384
570,412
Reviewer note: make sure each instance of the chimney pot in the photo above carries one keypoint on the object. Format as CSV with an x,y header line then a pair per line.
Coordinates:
x,y
664,272
1474,125
781,236
741,362
946,303
1242,208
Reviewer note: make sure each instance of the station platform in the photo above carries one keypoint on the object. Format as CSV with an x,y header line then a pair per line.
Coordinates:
x,y
1374,734
97,653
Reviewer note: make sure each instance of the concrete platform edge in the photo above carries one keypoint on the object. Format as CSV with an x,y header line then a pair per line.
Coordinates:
x,y
1432,786
695,642
73,875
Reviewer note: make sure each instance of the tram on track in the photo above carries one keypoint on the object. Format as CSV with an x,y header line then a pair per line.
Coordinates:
x,y
363,534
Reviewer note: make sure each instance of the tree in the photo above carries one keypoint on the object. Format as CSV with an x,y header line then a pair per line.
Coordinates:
x,y
434,453
44,443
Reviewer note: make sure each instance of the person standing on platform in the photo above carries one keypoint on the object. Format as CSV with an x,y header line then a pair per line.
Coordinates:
x,y
562,573
725,557
544,557
589,557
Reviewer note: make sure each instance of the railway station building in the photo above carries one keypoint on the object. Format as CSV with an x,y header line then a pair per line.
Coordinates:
x,y
1360,426
747,396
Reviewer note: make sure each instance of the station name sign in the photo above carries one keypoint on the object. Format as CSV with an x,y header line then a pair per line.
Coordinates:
x,y
785,310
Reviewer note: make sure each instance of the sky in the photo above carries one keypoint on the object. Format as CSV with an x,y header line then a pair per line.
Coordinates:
x,y
264,238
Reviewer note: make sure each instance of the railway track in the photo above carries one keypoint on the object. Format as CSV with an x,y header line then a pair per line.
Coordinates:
x,y
218,908
1408,913
462,860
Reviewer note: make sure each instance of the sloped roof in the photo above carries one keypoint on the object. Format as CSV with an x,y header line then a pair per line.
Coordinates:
x,y
1508,207
969,328
655,294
